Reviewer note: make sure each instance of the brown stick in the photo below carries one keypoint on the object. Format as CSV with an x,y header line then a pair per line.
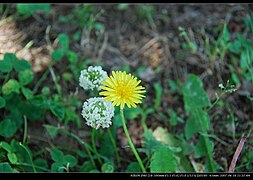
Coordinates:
x,y
236,154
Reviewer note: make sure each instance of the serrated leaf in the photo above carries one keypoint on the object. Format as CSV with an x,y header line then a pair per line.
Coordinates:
x,y
7,128
2,102
163,161
11,86
194,94
25,77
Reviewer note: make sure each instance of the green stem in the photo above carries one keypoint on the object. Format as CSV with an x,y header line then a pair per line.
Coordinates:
x,y
130,141
94,146
216,101
44,76
57,86
29,156
86,146
25,129
143,123
28,165
114,145
206,140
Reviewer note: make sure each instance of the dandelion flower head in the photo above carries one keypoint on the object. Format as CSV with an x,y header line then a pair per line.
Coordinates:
x,y
122,88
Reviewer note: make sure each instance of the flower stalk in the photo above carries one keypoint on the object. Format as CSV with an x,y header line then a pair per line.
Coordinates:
x,y
130,141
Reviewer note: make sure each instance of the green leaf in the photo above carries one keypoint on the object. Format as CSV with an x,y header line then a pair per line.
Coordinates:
x,y
150,141
5,65
6,146
132,113
45,91
38,100
58,54
11,86
70,160
57,110
162,135
86,167
67,76
6,168
12,158
107,167
105,146
122,6
64,40
27,93
25,77
99,26
72,56
7,128
158,94
2,102
57,155
52,130
203,147
57,167
174,119
163,161
11,58
21,65
194,94
133,167
197,123
32,112
29,9
40,163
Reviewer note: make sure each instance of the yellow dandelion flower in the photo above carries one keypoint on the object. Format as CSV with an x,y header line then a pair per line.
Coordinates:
x,y
121,88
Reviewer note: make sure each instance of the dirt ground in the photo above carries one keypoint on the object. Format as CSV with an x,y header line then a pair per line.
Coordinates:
x,y
129,41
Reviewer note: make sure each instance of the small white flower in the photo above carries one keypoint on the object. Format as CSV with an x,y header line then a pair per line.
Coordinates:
x,y
92,77
97,112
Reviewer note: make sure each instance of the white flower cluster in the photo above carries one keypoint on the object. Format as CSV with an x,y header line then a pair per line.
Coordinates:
x,y
92,77
97,112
